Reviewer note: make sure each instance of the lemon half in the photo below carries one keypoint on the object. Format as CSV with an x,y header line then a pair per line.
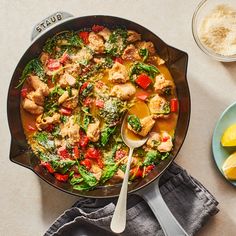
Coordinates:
x,y
229,137
229,167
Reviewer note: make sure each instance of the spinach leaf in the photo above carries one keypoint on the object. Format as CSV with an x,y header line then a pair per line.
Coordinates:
x,y
134,122
164,155
140,67
88,177
34,66
152,157
83,187
108,172
144,53
87,91
43,139
116,42
62,166
76,180
106,134
86,122
56,131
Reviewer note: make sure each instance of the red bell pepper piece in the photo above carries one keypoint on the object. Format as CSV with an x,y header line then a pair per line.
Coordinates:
x,y
143,81
100,163
149,168
174,105
65,111
76,152
60,177
24,92
88,101
142,95
119,60
84,35
62,152
165,139
31,128
99,103
83,142
86,163
84,86
92,153
136,172
48,167
97,28
53,64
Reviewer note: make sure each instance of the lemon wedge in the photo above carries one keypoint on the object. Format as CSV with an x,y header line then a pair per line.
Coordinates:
x,y
229,137
229,167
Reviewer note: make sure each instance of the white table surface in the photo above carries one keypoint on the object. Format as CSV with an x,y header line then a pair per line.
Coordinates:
x,y
28,205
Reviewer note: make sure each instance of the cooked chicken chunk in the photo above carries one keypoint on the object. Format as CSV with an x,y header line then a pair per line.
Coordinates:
x,y
66,79
160,61
83,56
166,144
31,107
96,43
123,91
133,36
73,69
154,140
70,129
97,171
93,131
117,177
118,73
105,33
37,97
36,83
162,85
43,122
70,102
100,88
158,105
147,45
131,53
44,58
146,123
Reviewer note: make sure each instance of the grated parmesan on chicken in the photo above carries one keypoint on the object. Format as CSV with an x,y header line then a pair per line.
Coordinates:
x,y
218,30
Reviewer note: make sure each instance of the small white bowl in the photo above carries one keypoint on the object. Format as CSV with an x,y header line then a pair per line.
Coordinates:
x,y
202,10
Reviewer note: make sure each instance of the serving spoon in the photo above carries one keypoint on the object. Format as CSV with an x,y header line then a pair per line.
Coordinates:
x,y
118,221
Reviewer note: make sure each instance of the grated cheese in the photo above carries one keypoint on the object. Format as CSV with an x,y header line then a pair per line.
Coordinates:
x,y
218,30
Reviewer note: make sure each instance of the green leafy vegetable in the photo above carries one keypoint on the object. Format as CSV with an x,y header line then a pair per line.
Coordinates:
x,y
86,122
83,187
140,67
33,67
62,166
165,109
108,172
134,122
56,131
116,42
152,157
43,139
144,53
76,180
87,91
88,177
106,134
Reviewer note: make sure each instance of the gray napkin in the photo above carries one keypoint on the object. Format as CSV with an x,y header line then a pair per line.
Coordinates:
x,y
189,201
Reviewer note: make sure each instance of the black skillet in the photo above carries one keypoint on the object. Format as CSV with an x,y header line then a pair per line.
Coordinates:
x,y
176,62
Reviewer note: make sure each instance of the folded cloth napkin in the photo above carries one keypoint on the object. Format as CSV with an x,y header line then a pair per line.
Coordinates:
x,y
189,201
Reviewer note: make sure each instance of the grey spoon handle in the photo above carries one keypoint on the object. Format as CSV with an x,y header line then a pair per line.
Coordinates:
x,y
170,226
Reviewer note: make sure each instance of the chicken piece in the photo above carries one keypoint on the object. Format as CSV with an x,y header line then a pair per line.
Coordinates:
x,y
36,83
154,140
123,91
133,36
162,85
43,122
66,79
160,61
96,43
44,58
37,97
83,56
101,88
31,107
159,105
146,45
117,177
105,33
146,123
73,69
70,102
118,73
131,53
97,171
70,129
166,143
93,131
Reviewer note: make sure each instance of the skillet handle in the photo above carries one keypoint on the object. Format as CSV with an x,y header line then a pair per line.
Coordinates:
x,y
48,22
170,226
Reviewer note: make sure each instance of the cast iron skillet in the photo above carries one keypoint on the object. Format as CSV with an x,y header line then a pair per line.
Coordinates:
x,y
176,61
